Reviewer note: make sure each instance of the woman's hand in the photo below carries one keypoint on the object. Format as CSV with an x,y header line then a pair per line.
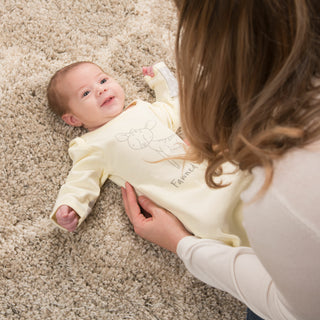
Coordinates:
x,y
161,227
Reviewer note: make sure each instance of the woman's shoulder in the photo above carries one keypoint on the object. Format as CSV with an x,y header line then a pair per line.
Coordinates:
x,y
302,160
296,172
293,193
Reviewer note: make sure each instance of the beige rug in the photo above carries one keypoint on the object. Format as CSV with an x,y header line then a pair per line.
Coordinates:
x,y
102,271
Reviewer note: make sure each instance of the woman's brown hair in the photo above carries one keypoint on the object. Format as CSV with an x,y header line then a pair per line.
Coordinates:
x,y
247,73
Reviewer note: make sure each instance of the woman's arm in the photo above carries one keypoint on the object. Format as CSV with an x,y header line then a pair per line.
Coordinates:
x,y
237,271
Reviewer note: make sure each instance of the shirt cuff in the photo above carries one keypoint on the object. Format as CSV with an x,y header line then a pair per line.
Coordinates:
x,y
185,243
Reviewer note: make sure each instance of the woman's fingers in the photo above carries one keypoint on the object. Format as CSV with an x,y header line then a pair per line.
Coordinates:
x,y
124,198
131,204
161,227
148,205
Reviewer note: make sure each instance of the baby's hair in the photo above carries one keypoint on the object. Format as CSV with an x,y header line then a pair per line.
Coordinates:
x,y
58,103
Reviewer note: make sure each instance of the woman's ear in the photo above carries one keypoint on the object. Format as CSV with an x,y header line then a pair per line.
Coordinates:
x,y
71,120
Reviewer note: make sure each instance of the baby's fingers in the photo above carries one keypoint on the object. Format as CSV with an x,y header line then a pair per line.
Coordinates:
x,y
65,217
72,226
148,71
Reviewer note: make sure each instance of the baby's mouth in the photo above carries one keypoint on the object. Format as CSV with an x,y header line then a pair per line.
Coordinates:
x,y
107,101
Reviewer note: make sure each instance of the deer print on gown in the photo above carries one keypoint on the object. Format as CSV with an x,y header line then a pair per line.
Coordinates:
x,y
144,138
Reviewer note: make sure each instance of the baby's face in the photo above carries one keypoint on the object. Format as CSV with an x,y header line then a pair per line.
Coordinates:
x,y
94,98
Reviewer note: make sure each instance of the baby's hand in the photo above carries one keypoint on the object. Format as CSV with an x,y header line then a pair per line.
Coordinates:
x,y
67,218
148,71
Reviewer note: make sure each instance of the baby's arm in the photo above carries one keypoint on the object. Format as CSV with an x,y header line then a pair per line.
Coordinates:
x,y
82,186
163,82
67,218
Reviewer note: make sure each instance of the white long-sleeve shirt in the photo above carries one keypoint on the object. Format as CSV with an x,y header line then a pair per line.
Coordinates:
x,y
132,147
279,277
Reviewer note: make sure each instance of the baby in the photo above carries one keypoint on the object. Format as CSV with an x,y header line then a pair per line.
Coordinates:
x,y
127,144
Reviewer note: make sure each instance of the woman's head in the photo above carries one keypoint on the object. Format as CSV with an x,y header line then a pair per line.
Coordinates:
x,y
247,73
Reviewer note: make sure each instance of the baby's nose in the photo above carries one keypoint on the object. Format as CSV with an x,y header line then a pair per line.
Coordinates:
x,y
101,90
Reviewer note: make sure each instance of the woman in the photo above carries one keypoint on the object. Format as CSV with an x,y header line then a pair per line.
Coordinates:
x,y
248,73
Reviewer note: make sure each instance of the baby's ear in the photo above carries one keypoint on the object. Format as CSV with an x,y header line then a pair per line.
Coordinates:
x,y
71,120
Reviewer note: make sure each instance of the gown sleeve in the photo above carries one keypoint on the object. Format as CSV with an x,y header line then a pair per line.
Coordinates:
x,y
166,106
82,186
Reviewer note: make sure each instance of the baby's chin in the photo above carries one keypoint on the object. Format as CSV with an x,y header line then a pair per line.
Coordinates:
x,y
102,123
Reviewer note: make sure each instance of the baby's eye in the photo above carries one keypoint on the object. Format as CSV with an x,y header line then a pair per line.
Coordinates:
x,y
104,80
85,93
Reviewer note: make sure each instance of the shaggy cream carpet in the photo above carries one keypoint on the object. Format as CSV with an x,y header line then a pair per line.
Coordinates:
x,y
103,270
